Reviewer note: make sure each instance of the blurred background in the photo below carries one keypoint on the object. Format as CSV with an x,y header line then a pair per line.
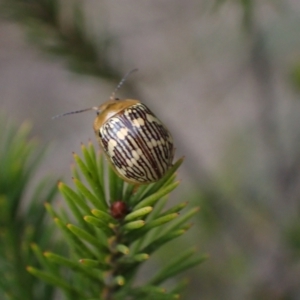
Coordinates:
x,y
223,75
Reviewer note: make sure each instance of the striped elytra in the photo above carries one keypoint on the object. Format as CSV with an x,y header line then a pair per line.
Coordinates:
x,y
137,144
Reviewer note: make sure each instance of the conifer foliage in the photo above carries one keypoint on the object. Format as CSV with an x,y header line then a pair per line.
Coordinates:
x,y
22,223
111,229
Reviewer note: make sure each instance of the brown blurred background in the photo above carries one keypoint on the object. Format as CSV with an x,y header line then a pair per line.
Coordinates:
x,y
224,76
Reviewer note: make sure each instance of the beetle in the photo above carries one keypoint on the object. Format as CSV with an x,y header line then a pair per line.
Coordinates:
x,y
136,143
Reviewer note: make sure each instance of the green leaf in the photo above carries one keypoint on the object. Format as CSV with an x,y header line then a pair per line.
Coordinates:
x,y
179,264
50,210
89,195
175,209
134,225
42,260
138,213
72,205
180,286
115,186
119,280
97,188
70,195
158,185
76,266
54,280
151,200
152,224
129,189
122,249
92,263
137,258
100,224
104,216
84,235
157,243
180,221
74,242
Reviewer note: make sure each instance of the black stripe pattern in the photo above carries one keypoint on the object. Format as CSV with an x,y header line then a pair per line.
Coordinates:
x,y
138,144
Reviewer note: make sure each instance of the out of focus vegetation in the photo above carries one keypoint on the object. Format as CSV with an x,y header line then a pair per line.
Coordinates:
x,y
20,226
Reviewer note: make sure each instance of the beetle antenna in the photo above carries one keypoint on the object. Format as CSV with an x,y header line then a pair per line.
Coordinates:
x,y
113,95
76,112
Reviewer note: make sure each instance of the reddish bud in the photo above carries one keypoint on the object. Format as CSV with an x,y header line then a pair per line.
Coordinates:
x,y
118,210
